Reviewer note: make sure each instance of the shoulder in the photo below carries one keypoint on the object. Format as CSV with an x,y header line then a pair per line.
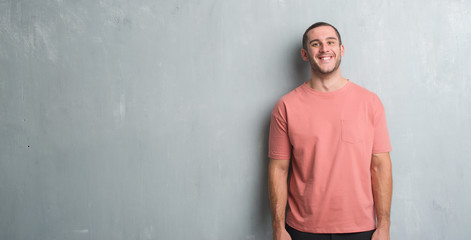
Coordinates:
x,y
291,96
286,100
370,98
365,94
362,90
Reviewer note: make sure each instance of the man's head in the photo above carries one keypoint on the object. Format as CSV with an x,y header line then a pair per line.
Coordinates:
x,y
315,25
323,48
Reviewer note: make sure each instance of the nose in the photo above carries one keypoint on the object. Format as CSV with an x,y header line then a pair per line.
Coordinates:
x,y
324,48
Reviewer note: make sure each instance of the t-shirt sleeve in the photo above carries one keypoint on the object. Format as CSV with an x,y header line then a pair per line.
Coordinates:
x,y
381,142
279,146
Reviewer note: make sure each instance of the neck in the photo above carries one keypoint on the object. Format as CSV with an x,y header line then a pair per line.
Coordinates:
x,y
327,82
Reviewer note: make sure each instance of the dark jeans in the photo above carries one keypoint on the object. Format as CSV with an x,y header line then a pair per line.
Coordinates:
x,y
298,235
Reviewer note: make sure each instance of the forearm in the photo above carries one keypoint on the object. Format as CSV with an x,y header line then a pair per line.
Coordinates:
x,y
278,191
381,177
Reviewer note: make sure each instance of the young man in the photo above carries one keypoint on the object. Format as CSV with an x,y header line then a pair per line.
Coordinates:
x,y
335,135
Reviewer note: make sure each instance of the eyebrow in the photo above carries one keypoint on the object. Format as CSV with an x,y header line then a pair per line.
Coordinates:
x,y
329,38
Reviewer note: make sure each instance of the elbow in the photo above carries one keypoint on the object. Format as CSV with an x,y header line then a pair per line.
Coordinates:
x,y
279,167
380,162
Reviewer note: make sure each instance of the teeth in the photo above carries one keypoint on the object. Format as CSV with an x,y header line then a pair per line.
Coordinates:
x,y
325,58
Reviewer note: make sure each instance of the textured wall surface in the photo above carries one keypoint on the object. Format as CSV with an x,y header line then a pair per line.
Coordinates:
x,y
149,119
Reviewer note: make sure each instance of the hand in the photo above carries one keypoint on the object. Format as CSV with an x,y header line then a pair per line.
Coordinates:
x,y
381,234
281,235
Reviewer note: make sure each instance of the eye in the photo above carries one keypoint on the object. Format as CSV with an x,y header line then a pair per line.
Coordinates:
x,y
316,44
331,43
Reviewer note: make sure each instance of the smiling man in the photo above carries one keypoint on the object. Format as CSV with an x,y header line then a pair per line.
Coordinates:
x,y
333,132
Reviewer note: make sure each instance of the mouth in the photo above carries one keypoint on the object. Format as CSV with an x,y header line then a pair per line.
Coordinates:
x,y
325,58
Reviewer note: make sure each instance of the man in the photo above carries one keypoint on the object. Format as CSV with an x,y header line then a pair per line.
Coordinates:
x,y
335,135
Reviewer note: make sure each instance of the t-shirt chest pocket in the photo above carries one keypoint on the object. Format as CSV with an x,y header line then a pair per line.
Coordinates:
x,y
351,131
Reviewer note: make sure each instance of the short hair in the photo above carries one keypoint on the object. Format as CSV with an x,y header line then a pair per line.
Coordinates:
x,y
319,24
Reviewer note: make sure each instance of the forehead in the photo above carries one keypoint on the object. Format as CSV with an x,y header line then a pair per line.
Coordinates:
x,y
321,33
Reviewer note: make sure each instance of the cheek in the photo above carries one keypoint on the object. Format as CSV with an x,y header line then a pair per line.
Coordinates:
x,y
309,55
312,54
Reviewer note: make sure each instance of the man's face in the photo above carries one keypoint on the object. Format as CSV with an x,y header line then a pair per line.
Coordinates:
x,y
324,51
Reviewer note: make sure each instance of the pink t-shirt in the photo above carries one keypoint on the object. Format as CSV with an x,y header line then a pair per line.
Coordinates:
x,y
329,137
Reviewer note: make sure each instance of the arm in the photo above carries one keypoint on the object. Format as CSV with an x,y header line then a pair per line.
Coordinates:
x,y
381,180
278,190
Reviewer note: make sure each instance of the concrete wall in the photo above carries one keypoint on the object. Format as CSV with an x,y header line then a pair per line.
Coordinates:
x,y
149,119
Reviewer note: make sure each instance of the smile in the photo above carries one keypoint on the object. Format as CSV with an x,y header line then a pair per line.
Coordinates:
x,y
325,58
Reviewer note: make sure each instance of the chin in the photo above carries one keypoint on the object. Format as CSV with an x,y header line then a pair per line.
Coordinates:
x,y
327,71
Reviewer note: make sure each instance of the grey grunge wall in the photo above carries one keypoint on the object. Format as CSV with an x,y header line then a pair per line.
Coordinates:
x,y
149,119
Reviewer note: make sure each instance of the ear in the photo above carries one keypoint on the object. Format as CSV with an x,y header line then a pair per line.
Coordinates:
x,y
342,50
304,55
